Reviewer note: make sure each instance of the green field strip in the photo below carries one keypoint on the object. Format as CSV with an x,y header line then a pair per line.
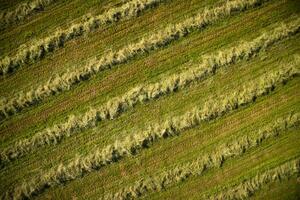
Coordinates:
x,y
284,189
23,10
269,155
96,137
181,80
14,36
68,79
227,81
127,173
92,138
113,36
60,81
249,186
204,162
99,183
34,51
77,53
156,120
9,4
39,114
27,167
132,144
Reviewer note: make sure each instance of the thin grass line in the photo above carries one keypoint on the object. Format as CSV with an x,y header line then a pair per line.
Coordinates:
x,y
249,186
144,93
22,11
215,159
67,80
36,50
132,144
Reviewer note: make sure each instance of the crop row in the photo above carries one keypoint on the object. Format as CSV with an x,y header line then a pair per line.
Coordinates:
x,y
144,93
173,32
205,162
23,10
38,49
249,186
132,144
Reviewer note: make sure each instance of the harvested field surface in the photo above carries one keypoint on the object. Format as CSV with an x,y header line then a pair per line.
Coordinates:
x,y
150,99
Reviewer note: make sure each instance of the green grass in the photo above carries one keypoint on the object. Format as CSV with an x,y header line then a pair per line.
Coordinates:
x,y
249,164
39,25
134,74
287,189
10,4
77,52
148,68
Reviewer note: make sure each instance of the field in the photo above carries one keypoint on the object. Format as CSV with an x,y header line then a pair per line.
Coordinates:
x,y
150,99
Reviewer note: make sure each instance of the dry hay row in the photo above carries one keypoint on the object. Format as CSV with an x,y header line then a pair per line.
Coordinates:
x,y
144,93
173,32
23,10
215,159
214,107
35,50
249,186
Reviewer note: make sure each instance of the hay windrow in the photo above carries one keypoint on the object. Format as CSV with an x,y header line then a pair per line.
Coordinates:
x,y
144,93
248,187
132,144
23,10
36,50
215,159
67,80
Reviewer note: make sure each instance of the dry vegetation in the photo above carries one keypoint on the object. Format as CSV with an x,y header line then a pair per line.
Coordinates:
x,y
132,144
36,50
213,160
248,187
63,82
144,93
23,10
212,92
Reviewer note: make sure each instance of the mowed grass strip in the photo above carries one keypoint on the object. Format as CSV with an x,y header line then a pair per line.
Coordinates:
x,y
77,52
213,160
173,32
283,189
22,10
156,110
58,107
149,114
133,143
34,51
28,167
178,152
8,4
249,186
39,24
145,93
270,155
159,158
